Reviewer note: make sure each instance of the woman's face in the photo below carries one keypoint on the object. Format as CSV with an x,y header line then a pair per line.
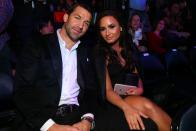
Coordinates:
x,y
110,29
161,25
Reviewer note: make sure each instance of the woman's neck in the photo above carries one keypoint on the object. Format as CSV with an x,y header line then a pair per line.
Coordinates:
x,y
118,50
157,32
117,47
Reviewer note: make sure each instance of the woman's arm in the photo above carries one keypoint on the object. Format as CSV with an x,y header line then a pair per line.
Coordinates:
x,y
136,91
111,96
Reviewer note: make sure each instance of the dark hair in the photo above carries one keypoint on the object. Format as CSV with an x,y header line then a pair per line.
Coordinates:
x,y
134,14
42,22
125,40
164,31
75,5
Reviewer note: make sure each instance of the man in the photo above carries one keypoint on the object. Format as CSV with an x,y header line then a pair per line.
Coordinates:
x,y
140,7
50,80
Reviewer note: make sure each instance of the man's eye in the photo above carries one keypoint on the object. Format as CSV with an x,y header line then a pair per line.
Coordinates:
x,y
87,23
77,17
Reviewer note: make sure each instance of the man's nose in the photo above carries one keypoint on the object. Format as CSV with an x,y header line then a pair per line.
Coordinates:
x,y
81,25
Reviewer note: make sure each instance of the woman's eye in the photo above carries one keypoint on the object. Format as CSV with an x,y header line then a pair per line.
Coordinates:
x,y
111,26
101,29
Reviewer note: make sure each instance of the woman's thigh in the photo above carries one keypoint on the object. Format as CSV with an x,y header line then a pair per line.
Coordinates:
x,y
141,103
113,119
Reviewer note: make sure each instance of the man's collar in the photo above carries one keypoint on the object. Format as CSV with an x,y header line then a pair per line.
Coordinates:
x,y
64,42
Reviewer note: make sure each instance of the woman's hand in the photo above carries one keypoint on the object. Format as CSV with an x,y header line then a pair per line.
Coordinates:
x,y
136,91
133,117
133,91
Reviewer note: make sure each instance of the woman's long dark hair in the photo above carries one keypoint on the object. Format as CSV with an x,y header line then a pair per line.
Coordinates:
x,y
125,40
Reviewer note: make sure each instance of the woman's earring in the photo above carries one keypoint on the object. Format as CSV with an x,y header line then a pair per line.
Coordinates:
x,y
120,28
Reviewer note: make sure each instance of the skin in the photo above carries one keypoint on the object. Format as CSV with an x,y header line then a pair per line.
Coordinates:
x,y
75,26
48,29
160,26
110,32
135,22
133,106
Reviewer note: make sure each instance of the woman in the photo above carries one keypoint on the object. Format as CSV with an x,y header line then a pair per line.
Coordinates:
x,y
156,39
114,47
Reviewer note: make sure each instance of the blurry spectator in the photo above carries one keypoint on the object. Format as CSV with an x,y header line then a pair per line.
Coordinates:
x,y
186,16
60,7
6,86
156,39
141,7
45,26
6,13
25,20
64,5
136,31
177,35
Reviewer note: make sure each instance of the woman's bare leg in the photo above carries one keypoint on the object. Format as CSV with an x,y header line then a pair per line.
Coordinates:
x,y
160,117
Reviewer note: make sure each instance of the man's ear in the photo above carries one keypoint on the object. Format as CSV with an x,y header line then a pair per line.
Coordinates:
x,y
65,17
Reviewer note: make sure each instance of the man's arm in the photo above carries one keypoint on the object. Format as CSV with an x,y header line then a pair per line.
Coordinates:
x,y
29,98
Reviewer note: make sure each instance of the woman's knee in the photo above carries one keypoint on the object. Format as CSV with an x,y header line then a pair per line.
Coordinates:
x,y
141,102
149,105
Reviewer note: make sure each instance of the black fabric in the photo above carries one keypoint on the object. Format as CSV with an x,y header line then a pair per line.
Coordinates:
x,y
111,118
39,79
107,116
120,75
67,114
5,59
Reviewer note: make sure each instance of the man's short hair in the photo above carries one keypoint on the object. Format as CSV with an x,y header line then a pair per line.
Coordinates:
x,y
75,5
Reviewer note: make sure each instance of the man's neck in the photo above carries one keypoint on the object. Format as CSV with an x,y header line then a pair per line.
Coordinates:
x,y
69,43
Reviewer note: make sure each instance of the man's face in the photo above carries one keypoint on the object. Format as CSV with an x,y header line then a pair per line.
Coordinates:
x,y
77,23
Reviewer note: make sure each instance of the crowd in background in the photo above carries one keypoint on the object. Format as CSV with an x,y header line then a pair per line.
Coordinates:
x,y
176,18
157,27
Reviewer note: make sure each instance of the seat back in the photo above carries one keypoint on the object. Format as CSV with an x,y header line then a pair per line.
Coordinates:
x,y
155,80
192,55
7,112
6,86
176,62
185,120
151,65
188,120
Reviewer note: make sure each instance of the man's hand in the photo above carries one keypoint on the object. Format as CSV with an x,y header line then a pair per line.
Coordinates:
x,y
83,125
57,127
